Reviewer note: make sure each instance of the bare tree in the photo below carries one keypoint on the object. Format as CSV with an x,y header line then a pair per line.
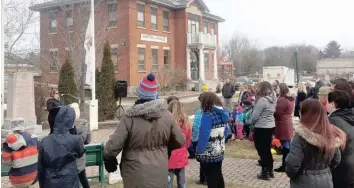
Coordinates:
x,y
19,20
72,35
245,56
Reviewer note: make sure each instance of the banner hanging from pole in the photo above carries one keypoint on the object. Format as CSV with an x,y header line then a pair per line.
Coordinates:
x,y
89,49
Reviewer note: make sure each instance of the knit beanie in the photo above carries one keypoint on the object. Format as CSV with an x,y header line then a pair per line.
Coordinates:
x,y
147,88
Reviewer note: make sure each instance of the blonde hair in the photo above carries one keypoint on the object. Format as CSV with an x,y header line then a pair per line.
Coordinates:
x,y
176,108
301,87
324,90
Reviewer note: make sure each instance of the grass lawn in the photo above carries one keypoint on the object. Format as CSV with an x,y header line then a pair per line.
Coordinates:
x,y
190,184
244,149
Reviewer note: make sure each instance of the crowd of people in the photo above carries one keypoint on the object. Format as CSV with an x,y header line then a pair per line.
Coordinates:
x,y
156,138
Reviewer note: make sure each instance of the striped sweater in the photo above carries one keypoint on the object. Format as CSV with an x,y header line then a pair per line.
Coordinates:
x,y
21,154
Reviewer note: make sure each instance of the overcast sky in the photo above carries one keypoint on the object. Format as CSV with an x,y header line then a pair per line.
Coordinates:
x,y
284,22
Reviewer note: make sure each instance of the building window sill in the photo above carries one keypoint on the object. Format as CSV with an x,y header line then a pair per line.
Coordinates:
x,y
53,33
141,27
155,30
166,32
144,71
112,27
53,72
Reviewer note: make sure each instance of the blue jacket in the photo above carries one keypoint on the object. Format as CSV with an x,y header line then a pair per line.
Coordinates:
x,y
196,125
213,131
58,153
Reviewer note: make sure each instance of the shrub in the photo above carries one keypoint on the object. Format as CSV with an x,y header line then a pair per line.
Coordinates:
x,y
175,79
106,87
41,93
67,86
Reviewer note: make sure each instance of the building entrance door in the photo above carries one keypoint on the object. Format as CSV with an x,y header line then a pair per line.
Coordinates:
x,y
194,64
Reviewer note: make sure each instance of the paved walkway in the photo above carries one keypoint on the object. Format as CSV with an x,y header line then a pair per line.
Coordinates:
x,y
237,171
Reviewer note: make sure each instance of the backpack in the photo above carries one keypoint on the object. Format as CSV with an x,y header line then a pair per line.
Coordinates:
x,y
247,116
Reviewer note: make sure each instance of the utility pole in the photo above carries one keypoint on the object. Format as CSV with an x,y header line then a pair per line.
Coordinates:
x,y
297,72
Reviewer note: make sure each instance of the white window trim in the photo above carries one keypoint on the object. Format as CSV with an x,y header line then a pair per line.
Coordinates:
x,y
155,47
53,50
114,45
111,2
165,9
166,48
141,45
154,6
142,3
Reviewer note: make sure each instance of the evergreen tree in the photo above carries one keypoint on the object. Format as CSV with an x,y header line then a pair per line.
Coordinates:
x,y
332,49
107,103
67,83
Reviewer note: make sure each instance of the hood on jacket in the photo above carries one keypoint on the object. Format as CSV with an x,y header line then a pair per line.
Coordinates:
x,y
270,99
290,97
345,114
150,110
314,138
64,120
225,115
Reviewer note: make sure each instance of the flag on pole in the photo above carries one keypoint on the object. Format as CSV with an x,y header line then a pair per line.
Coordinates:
x,y
89,52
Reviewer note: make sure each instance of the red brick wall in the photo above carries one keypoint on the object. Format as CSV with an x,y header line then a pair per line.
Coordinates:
x,y
126,35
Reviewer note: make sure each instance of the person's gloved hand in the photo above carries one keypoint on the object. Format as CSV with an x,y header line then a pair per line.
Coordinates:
x,y
110,163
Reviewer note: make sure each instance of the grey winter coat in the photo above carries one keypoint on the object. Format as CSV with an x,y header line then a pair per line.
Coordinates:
x,y
344,119
145,134
263,113
83,130
305,165
57,153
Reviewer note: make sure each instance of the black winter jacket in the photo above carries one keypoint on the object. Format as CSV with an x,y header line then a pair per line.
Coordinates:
x,y
58,153
228,90
306,166
344,119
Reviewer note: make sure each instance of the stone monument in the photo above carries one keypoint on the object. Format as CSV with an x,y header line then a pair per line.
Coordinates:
x,y
21,104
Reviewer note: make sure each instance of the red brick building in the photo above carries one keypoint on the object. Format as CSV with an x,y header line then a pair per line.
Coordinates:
x,y
145,36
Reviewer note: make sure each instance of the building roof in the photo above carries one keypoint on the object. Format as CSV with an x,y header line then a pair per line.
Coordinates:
x,y
173,4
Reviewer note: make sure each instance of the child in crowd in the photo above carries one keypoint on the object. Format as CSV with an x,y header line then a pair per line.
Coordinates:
x,y
238,117
179,157
20,152
195,130
323,96
247,110
195,136
58,152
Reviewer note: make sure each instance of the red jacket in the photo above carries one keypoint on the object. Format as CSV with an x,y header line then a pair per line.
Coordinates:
x,y
283,118
179,157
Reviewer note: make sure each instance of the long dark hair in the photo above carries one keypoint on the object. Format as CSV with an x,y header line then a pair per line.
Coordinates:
x,y
314,117
264,89
208,101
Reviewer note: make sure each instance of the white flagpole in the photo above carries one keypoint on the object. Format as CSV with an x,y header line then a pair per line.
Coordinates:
x,y
93,102
2,62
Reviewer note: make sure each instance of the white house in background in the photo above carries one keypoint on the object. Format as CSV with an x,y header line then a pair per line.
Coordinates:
x,y
343,67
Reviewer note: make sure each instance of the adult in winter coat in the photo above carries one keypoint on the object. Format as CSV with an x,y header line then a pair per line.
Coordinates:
x,y
301,96
228,91
314,150
319,84
145,134
342,116
83,130
179,157
53,104
58,153
263,120
283,121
